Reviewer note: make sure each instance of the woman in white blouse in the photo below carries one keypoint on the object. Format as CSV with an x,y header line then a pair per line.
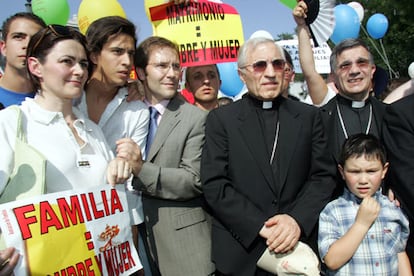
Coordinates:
x,y
74,147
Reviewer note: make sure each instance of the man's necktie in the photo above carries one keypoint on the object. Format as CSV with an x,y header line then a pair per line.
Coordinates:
x,y
152,129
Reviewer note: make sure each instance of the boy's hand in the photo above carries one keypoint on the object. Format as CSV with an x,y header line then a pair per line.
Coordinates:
x,y
368,212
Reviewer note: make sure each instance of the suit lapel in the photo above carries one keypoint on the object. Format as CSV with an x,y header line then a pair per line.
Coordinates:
x,y
252,135
331,124
289,133
169,120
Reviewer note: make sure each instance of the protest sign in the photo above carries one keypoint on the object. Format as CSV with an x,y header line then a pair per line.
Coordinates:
x,y
206,32
83,232
321,55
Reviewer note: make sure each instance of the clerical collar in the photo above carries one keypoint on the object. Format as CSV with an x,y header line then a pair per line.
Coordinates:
x,y
352,103
273,104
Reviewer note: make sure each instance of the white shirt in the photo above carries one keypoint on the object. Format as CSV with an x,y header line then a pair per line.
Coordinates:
x,y
122,119
49,133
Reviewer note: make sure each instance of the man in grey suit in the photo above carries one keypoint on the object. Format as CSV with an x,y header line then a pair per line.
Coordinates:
x,y
177,225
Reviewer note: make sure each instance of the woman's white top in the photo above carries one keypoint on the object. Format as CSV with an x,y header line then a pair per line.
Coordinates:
x,y
69,165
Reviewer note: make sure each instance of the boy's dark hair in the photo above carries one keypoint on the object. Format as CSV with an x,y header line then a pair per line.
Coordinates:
x,y
25,15
103,29
362,144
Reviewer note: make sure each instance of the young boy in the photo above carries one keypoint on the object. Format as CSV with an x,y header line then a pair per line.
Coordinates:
x,y
362,232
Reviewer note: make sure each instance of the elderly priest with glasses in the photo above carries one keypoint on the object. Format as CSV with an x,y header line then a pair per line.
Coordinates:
x,y
265,171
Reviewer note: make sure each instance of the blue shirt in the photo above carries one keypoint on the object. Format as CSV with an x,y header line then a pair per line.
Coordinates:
x,y
8,97
377,253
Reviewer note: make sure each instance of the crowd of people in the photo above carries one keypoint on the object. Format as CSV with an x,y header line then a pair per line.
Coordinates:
x,y
214,185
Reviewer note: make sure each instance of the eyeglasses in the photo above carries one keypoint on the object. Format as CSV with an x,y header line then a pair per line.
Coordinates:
x,y
165,66
347,65
261,65
57,30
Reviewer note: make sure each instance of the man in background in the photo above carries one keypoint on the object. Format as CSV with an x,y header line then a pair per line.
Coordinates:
x,y
204,82
15,84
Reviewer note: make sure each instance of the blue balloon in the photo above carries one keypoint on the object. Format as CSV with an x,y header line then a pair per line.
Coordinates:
x,y
231,83
346,23
377,25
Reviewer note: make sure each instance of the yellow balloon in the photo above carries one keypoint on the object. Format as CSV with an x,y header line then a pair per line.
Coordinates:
x,y
90,10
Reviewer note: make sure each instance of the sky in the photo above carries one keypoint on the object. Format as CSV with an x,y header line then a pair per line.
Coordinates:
x,y
269,15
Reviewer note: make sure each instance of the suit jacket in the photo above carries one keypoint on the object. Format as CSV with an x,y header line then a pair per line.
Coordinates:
x,y
242,190
177,224
398,137
331,124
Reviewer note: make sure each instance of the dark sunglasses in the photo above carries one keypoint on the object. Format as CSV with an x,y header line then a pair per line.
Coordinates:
x,y
57,30
261,65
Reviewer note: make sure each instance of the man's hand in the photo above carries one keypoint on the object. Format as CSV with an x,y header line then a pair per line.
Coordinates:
x,y
8,260
368,212
299,13
127,149
281,232
392,198
118,171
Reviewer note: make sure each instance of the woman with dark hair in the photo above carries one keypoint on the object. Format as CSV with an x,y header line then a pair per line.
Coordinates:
x,y
73,147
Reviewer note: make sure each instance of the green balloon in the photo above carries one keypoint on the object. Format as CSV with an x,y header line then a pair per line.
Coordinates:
x,y
291,4
52,11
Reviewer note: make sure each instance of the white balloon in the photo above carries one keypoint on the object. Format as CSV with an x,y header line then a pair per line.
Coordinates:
x,y
411,70
358,8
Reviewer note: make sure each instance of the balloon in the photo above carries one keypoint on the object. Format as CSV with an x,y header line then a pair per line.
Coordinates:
x,y
52,11
346,23
358,8
411,70
377,25
231,83
90,10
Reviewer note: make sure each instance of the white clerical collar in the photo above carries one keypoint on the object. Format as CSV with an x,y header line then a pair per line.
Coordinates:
x,y
267,105
358,104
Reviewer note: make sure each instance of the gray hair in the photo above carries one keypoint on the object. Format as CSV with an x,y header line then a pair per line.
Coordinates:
x,y
251,44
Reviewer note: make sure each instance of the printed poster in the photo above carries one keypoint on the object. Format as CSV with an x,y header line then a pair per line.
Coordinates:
x,y
206,32
83,232
321,55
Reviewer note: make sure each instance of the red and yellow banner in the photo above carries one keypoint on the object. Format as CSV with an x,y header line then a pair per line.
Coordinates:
x,y
84,232
206,32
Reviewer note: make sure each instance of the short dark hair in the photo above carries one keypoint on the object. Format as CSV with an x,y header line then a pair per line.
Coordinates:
x,y
5,29
362,144
345,45
145,47
103,29
224,101
44,40
288,58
